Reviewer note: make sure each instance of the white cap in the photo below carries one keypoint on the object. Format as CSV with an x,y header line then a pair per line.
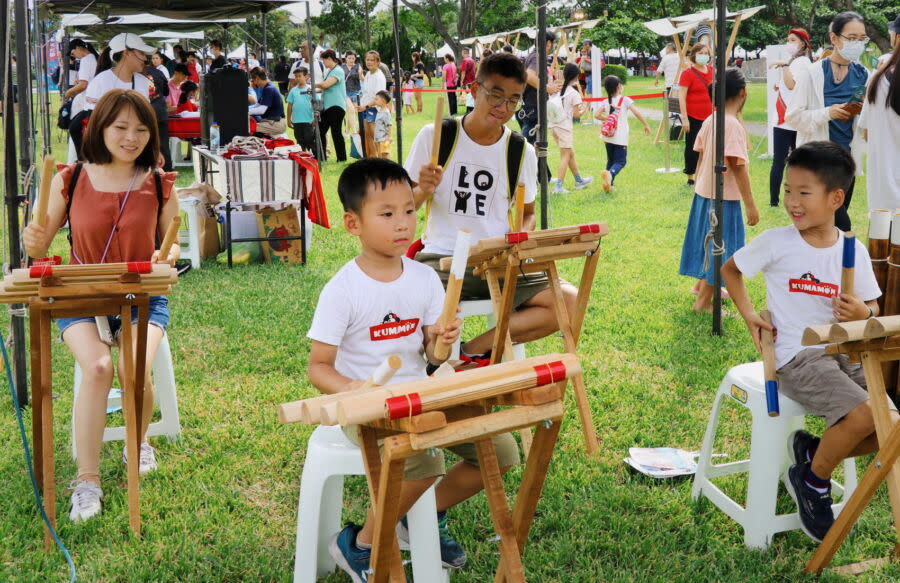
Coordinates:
x,y
129,40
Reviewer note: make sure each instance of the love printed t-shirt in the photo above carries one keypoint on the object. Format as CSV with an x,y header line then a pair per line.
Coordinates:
x,y
370,320
474,192
800,282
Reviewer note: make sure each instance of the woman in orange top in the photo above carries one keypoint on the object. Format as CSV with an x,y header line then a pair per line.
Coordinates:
x,y
120,204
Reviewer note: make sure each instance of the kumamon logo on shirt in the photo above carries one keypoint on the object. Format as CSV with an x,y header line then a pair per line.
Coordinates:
x,y
393,327
810,284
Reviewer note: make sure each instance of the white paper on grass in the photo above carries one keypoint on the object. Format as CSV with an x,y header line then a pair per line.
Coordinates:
x,y
663,462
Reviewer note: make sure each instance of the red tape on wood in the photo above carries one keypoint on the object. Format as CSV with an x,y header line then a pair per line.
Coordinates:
x,y
557,371
592,228
140,267
39,271
519,237
544,375
404,406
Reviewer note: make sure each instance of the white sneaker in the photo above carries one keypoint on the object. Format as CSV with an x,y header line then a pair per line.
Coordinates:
x,y
584,182
559,189
147,462
85,500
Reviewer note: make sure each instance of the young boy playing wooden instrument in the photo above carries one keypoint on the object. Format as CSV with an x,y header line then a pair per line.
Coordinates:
x,y
802,268
381,304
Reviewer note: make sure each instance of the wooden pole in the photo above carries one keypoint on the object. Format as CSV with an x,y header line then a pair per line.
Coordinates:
x,y
454,289
438,124
49,167
520,207
879,248
892,290
848,262
767,341
734,31
500,515
171,235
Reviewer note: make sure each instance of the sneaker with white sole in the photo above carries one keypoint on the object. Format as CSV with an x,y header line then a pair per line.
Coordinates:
x,y
584,182
85,500
147,462
560,189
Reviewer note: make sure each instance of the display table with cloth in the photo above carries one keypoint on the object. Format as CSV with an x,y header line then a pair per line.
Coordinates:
x,y
253,184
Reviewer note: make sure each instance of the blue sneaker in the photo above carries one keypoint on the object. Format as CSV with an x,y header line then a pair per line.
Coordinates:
x,y
452,554
349,557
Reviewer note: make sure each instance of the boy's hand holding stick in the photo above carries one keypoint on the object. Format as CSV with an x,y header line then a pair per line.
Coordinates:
x,y
169,240
767,344
454,288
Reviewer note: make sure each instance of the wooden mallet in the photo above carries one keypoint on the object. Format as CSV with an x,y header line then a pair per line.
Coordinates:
x,y
44,195
454,288
520,207
169,240
848,263
438,124
767,343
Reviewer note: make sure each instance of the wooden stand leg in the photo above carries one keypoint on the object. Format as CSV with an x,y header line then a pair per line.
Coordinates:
x,y
386,564
569,342
510,556
536,466
503,305
37,439
46,413
132,422
375,476
140,365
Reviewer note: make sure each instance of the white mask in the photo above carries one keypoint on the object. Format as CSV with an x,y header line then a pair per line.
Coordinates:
x,y
852,49
793,48
702,59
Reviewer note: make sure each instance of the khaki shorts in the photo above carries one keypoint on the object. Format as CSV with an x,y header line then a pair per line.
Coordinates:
x,y
424,465
827,385
476,288
271,127
562,136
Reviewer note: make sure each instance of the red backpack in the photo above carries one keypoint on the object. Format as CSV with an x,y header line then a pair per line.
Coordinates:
x,y
611,123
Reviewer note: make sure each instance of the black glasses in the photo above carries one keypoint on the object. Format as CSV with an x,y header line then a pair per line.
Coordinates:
x,y
494,100
862,39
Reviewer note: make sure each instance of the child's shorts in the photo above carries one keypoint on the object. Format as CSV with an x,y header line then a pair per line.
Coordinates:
x,y
827,385
424,465
158,316
562,136
384,148
370,114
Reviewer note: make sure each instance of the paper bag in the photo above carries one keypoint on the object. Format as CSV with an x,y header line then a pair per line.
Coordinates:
x,y
280,223
209,237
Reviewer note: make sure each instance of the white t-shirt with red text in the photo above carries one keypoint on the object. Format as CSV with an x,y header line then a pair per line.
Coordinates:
x,y
369,320
800,282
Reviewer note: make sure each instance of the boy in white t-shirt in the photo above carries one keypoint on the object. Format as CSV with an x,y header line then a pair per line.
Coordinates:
x,y
379,304
802,266
472,192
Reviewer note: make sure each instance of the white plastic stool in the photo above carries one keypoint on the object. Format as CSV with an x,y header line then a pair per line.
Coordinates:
x,y
176,154
165,395
190,238
329,457
481,308
768,459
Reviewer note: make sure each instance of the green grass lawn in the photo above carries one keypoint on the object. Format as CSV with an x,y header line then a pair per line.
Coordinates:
x,y
222,505
754,109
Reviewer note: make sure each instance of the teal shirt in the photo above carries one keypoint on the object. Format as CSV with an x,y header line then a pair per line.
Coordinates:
x,y
337,93
301,107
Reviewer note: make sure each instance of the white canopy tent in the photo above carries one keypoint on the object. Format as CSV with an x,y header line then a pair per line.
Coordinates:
x,y
87,20
240,52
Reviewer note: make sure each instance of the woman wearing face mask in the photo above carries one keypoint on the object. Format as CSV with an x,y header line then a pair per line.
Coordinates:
x,y
784,136
696,103
828,96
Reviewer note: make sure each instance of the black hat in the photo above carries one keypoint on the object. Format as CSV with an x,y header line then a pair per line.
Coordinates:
x,y
894,26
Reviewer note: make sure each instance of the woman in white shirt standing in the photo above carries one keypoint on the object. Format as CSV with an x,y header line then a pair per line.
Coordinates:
x,y
880,120
159,61
373,81
87,68
784,136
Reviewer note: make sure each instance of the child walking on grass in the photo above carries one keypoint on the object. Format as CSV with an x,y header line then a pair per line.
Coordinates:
x,y
696,253
617,144
408,83
572,106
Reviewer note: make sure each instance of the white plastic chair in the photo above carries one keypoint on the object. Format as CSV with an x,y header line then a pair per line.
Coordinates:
x,y
177,154
768,459
190,238
329,457
165,395
481,308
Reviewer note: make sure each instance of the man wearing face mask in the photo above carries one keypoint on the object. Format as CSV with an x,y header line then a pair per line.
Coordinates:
x,y
828,96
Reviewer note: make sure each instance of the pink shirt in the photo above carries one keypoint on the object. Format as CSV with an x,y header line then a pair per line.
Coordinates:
x,y
174,94
736,148
450,74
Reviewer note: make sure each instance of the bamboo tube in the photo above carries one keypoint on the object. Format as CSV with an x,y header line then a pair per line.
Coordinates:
x,y
520,207
546,235
881,327
48,169
438,123
814,335
151,279
454,289
848,263
892,289
308,410
407,399
171,234
879,249
847,331
89,269
767,341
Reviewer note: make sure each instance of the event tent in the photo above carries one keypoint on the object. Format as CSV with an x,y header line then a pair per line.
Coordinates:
x,y
140,23
189,9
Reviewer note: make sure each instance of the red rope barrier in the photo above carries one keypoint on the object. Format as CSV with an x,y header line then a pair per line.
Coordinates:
x,y
634,97
408,90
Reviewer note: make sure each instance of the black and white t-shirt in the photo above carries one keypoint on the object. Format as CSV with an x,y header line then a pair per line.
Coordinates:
x,y
370,320
474,192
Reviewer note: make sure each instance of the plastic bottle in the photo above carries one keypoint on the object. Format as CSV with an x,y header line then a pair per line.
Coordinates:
x,y
214,138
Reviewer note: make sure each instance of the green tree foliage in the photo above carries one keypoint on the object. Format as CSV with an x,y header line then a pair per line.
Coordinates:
x,y
281,35
344,23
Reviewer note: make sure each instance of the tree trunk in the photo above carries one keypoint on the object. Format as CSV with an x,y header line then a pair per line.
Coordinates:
x,y
431,12
368,31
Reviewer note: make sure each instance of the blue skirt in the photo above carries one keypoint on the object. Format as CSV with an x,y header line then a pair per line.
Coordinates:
x,y
693,252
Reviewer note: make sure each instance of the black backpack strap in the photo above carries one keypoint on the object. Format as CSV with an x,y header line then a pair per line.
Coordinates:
x,y
72,182
449,135
515,155
157,178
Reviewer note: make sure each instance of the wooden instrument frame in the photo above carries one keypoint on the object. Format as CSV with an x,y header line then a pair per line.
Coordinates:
x,y
65,294
535,252
873,354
